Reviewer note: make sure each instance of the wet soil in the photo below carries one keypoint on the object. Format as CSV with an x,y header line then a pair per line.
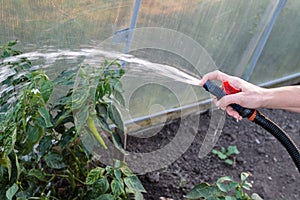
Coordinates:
x,y
274,175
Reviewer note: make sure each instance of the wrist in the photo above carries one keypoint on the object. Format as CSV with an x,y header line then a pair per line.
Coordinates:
x,y
266,98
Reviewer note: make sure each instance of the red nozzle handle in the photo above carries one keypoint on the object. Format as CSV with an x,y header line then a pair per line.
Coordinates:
x,y
230,89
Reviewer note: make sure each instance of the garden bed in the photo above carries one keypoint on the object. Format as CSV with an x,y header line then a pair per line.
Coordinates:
x,y
274,173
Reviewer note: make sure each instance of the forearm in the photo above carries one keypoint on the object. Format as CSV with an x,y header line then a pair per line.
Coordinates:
x,y
287,98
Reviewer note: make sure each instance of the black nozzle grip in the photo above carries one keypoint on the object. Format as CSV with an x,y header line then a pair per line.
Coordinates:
x,y
214,89
219,93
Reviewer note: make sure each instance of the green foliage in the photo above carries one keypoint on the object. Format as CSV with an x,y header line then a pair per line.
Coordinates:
x,y
41,154
226,154
95,100
113,182
7,50
224,189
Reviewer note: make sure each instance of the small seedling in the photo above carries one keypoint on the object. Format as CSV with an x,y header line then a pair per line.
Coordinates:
x,y
224,189
226,154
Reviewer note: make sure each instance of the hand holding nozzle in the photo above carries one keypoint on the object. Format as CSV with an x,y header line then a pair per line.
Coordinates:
x,y
219,93
240,99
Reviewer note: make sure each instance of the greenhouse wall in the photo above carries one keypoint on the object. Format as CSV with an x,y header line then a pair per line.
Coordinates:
x,y
237,37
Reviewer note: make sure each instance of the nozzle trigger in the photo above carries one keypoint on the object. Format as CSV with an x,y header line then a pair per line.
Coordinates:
x,y
230,89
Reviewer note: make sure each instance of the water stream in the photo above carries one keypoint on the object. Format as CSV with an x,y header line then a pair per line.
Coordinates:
x,y
137,67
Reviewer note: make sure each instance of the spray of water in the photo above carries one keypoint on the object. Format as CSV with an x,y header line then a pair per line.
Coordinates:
x,y
160,69
137,66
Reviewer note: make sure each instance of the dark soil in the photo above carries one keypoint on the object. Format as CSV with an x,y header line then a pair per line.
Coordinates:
x,y
274,173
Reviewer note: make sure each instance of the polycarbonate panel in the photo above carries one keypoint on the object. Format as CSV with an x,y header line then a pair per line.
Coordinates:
x,y
224,28
196,36
280,57
227,31
62,23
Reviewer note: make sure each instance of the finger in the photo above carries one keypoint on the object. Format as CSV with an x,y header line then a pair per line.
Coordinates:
x,y
231,112
215,99
215,75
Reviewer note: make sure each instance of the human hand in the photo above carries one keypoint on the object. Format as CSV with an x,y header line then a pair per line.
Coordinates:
x,y
251,96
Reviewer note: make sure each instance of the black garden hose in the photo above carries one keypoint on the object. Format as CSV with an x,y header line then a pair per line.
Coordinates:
x,y
258,118
280,135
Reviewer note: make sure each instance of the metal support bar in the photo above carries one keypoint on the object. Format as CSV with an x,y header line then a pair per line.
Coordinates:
x,y
132,24
125,35
263,40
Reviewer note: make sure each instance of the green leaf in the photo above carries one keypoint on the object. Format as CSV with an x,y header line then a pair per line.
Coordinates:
x,y
115,116
34,134
107,88
54,160
67,137
118,173
40,175
246,196
46,90
226,184
81,117
10,193
214,151
104,124
6,54
65,78
118,86
229,198
229,162
244,176
119,97
134,184
204,190
79,97
10,140
23,197
109,170
12,43
232,150
239,193
63,117
94,175
101,109
106,197
46,116
39,121
121,72
138,196
117,187
125,170
118,142
45,144
100,91
198,191
219,154
102,185
5,162
256,197
17,167
223,150
246,185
